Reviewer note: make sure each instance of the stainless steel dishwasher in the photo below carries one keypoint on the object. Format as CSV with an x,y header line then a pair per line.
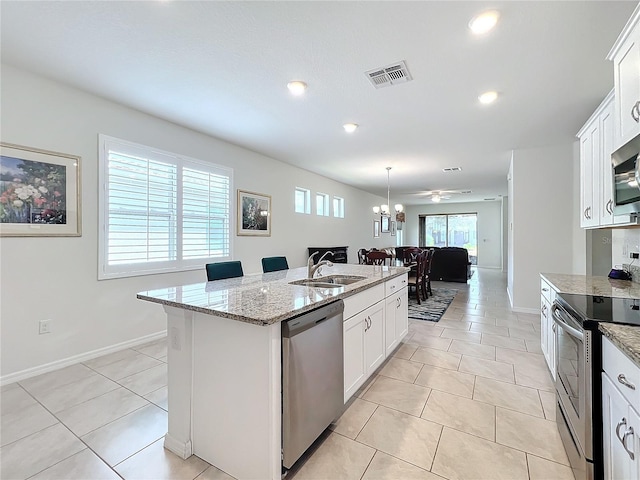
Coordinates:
x,y
312,378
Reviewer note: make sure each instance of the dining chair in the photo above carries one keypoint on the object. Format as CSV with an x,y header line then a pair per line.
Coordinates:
x,y
274,264
378,258
426,280
409,255
362,256
416,279
222,270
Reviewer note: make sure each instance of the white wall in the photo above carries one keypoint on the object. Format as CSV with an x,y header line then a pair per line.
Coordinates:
x,y
543,217
56,278
579,247
489,226
624,241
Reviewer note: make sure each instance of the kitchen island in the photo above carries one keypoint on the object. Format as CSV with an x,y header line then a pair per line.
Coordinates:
x,y
224,357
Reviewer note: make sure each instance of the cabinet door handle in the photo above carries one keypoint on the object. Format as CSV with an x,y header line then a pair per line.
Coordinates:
x,y
611,206
553,327
628,432
621,423
623,380
635,112
545,289
398,302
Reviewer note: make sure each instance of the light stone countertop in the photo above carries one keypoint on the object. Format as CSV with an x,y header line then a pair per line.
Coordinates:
x,y
587,285
268,298
625,337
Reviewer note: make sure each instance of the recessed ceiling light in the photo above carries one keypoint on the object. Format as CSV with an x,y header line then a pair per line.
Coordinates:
x,y
350,127
484,22
488,97
297,87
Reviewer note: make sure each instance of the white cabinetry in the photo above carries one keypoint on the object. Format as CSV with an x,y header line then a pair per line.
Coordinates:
x,y
547,329
596,174
625,55
621,422
396,313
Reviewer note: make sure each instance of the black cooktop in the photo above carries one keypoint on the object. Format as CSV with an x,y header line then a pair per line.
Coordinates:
x,y
594,308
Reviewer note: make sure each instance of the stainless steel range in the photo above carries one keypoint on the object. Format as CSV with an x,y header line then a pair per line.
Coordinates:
x,y
579,367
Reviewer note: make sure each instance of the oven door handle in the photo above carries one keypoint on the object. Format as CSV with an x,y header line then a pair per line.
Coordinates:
x,y
558,318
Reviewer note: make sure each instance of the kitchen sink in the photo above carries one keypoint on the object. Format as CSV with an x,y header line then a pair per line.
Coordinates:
x,y
331,281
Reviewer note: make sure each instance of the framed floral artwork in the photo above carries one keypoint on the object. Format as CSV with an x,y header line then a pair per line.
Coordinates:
x,y
384,222
254,214
39,193
393,229
376,228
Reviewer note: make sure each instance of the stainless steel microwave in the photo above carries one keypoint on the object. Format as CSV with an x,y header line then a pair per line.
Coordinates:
x,y
626,178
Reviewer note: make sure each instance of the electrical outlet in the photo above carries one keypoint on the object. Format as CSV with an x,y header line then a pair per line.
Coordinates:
x,y
634,255
44,326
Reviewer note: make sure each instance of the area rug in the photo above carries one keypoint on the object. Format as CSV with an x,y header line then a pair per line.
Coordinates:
x,y
434,307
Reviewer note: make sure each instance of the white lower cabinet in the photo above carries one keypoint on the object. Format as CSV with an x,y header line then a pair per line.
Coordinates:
x,y
547,329
396,319
363,346
620,418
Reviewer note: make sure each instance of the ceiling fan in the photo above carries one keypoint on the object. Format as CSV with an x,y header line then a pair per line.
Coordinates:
x,y
437,195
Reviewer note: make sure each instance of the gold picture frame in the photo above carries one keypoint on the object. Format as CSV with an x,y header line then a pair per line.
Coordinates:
x,y
40,193
254,214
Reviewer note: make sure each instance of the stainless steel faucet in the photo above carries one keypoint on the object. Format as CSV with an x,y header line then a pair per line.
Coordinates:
x,y
312,269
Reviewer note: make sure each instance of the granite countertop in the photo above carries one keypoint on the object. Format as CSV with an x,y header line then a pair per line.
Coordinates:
x,y
264,299
587,285
625,337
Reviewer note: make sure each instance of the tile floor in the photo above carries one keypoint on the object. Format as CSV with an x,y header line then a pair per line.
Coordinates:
x,y
468,397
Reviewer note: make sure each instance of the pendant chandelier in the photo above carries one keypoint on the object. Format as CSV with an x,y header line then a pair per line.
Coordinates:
x,y
384,210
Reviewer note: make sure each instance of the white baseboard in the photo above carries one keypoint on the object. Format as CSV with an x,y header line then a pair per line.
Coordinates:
x,y
183,450
532,311
65,362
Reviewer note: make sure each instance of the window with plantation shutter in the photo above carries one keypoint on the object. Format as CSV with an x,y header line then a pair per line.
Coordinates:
x,y
160,212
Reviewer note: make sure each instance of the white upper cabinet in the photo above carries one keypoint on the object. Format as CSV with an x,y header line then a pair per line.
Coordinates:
x,y
625,55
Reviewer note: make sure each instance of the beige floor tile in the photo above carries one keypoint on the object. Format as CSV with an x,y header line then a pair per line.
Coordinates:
x,y
464,456
157,349
57,378
122,438
541,469
405,351
473,349
386,467
425,327
534,376
81,466
471,337
337,458
533,346
156,462
508,395
128,366
34,453
533,435
159,397
438,358
403,396
9,386
213,473
366,386
146,381
524,333
490,329
516,357
354,418
111,358
487,368
430,341
462,414
400,369
13,400
67,396
510,321
403,436
24,422
451,316
505,342
92,414
480,320
446,380
548,400
454,324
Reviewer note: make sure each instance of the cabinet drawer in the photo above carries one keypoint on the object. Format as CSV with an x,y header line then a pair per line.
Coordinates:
x,y
622,371
358,302
545,290
395,285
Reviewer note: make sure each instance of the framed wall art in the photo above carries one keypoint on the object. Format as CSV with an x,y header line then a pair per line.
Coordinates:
x,y
393,229
254,214
376,228
39,193
384,222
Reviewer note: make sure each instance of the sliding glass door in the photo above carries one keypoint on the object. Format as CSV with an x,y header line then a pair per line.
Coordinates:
x,y
454,230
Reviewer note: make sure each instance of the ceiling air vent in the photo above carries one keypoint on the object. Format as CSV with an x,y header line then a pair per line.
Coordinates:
x,y
465,191
389,75
452,169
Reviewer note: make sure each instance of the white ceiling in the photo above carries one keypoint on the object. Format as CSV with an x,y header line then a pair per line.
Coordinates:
x,y
222,68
